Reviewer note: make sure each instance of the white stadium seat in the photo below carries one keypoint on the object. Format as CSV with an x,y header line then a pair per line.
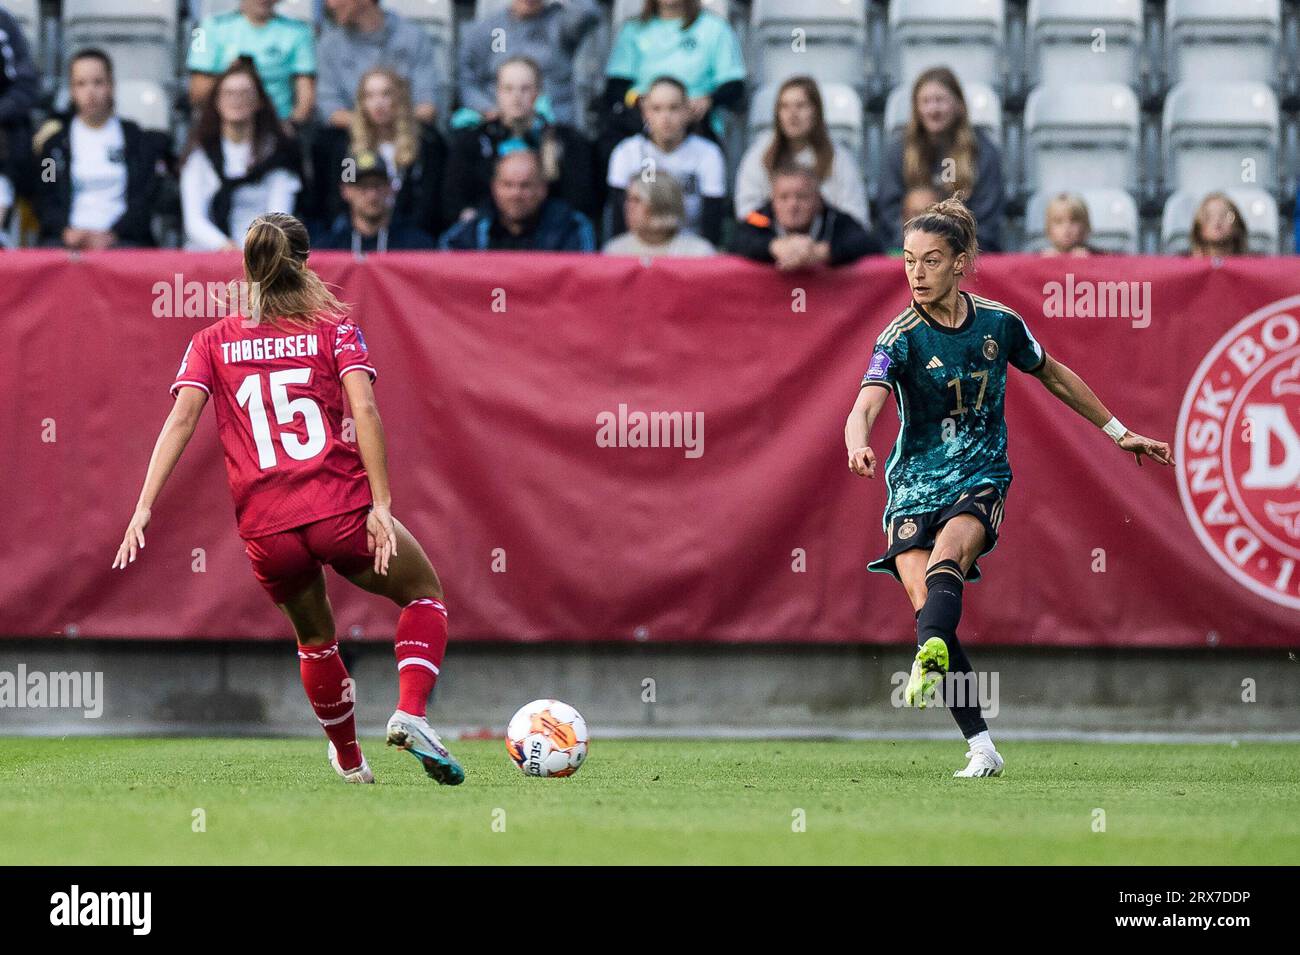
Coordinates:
x,y
1258,208
843,108
825,39
1112,212
1223,40
1069,39
1219,134
139,35
982,105
1081,136
963,35
144,102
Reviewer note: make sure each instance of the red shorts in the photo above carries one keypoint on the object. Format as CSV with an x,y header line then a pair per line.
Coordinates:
x,y
287,561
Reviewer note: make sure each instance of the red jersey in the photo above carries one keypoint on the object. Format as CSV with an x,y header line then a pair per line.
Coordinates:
x,y
278,394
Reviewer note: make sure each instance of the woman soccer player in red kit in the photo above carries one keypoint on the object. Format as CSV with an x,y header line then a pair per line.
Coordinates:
x,y
303,496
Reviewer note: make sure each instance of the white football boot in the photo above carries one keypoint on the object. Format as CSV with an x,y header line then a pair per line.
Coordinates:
x,y
361,774
983,762
416,736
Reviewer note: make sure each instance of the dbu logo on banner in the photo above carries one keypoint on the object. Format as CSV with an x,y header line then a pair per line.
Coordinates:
x,y
1238,452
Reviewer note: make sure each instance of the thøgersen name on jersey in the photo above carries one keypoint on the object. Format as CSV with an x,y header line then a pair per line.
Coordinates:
x,y
265,349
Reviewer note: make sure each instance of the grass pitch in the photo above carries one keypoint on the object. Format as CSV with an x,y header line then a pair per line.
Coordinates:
x,y
130,801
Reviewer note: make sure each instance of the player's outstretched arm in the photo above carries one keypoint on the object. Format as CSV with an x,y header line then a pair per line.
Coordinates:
x,y
1074,391
857,430
381,535
175,435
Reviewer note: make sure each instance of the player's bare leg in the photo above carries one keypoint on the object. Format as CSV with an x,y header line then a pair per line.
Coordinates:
x,y
325,678
421,640
934,581
311,614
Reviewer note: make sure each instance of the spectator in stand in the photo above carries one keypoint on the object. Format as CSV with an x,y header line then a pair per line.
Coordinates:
x,y
799,135
368,224
19,89
520,216
282,50
238,164
798,230
676,38
1218,229
1068,226
916,201
548,32
654,212
941,149
668,146
105,169
384,122
566,155
361,38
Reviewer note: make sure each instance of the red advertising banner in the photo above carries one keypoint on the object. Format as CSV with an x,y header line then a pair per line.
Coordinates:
x,y
604,449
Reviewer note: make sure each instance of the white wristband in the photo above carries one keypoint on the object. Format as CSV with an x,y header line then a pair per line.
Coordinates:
x,y
1114,429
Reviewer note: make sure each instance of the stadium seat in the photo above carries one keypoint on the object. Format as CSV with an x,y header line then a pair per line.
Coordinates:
x,y
1113,213
1257,207
843,114
1081,136
143,101
1067,39
139,35
963,35
1220,133
832,33
982,104
1223,40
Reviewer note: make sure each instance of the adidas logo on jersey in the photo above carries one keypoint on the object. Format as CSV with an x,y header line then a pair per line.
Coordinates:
x,y
934,363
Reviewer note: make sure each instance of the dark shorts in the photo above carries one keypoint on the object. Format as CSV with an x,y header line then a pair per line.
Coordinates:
x,y
287,561
919,531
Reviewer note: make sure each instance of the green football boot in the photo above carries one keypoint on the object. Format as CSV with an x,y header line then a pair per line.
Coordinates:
x,y
928,668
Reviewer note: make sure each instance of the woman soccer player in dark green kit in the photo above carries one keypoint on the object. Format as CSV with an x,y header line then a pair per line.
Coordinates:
x,y
945,359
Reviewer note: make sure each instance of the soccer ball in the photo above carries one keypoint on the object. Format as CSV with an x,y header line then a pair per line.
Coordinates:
x,y
547,738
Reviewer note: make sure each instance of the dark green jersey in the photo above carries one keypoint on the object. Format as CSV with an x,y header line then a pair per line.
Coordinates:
x,y
950,385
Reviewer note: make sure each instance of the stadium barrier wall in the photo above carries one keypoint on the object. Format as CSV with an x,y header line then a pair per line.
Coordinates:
x,y
505,379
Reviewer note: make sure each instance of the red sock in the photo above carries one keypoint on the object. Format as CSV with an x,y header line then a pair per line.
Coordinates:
x,y
330,692
420,643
